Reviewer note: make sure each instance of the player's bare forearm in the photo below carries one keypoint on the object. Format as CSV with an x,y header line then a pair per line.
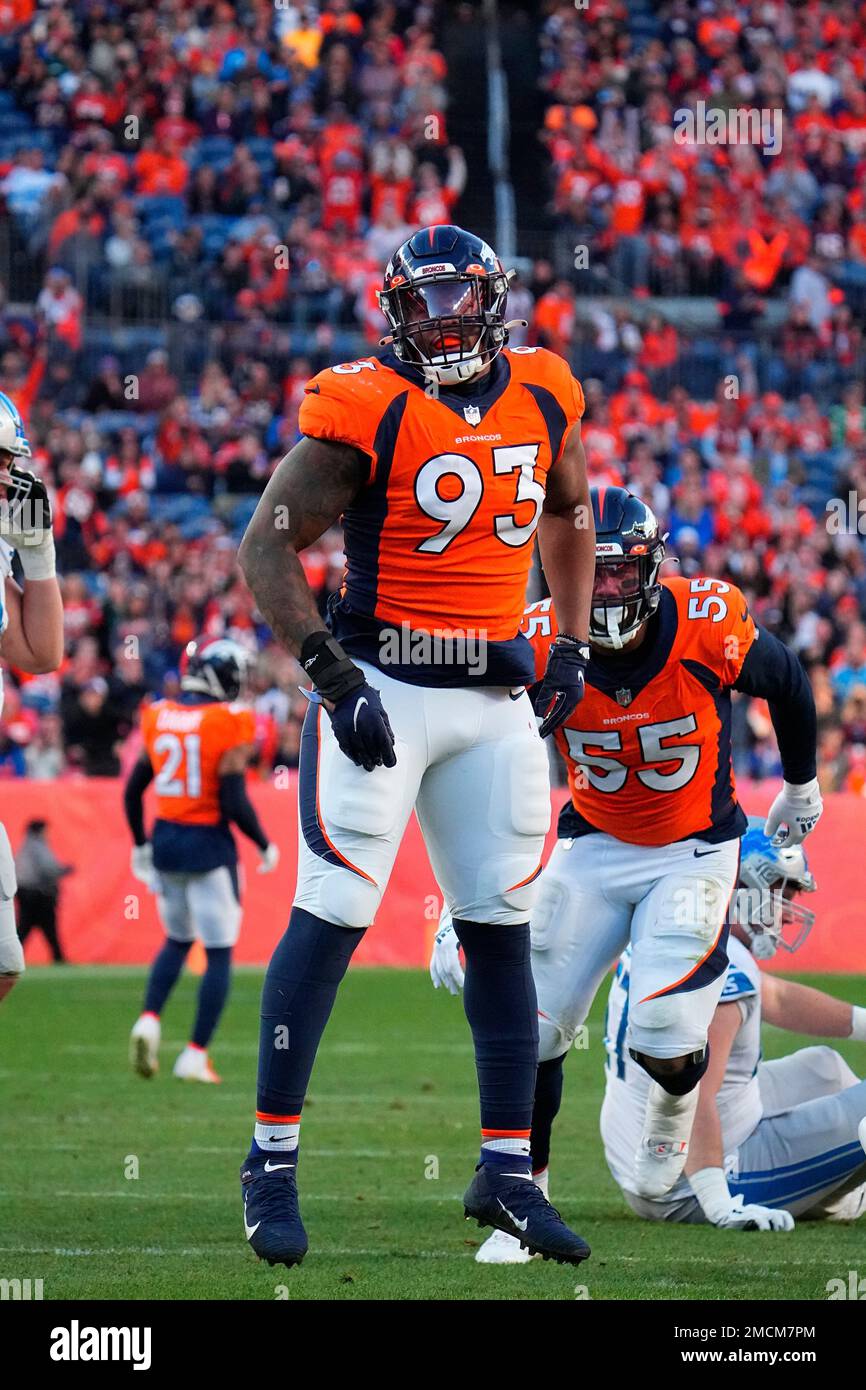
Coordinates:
x,y
705,1145
801,1009
308,492
566,539
33,641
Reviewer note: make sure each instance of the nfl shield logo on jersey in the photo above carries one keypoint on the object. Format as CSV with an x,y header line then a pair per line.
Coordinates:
x,y
623,697
472,414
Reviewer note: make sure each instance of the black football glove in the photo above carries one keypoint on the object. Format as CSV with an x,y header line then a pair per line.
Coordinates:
x,y
561,688
361,726
363,730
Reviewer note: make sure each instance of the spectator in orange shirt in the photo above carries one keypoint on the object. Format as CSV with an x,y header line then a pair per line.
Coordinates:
x,y
633,410
660,346
14,14
159,170
555,315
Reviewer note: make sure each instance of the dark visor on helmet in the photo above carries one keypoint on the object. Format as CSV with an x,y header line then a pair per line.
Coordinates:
x,y
616,580
445,299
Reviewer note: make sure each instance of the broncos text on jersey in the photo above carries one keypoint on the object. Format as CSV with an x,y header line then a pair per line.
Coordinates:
x,y
648,749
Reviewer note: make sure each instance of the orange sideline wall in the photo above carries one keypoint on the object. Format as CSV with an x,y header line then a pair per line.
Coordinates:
x,y
107,917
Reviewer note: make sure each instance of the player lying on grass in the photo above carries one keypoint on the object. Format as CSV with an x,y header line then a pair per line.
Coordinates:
x,y
771,1141
444,455
649,842
197,747
31,621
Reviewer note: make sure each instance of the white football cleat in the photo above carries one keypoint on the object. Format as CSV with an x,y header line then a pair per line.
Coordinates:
x,y
193,1064
502,1249
144,1045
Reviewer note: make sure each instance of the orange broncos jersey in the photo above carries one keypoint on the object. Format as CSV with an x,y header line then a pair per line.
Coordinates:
x,y
441,537
648,749
185,744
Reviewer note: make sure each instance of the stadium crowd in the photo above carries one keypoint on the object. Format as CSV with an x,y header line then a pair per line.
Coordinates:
x,y
237,173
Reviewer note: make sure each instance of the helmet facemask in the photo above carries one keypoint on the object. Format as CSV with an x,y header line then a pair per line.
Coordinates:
x,y
625,593
764,909
450,326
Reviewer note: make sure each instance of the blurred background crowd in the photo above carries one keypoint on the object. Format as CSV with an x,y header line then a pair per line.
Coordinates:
x,y
196,204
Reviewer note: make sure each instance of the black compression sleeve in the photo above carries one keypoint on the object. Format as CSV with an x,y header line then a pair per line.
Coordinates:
x,y
773,673
137,783
236,806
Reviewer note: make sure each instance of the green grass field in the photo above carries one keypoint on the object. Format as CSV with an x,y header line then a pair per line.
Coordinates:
x,y
392,1104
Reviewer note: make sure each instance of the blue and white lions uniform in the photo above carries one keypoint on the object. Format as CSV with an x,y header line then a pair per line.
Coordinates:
x,y
789,1127
6,554
11,954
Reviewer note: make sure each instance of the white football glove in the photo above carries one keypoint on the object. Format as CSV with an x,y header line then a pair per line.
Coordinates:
x,y
799,809
270,859
710,1186
141,863
445,967
754,1218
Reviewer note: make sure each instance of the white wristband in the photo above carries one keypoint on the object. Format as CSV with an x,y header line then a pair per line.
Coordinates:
x,y
710,1186
38,561
858,1023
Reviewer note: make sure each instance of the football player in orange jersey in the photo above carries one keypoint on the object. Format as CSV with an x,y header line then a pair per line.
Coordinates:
x,y
648,844
444,455
197,748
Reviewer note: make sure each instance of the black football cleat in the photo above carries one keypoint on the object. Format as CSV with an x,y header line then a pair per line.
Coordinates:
x,y
513,1204
272,1218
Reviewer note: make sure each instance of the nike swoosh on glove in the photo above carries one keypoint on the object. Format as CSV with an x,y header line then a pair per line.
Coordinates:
x,y
797,807
562,686
362,729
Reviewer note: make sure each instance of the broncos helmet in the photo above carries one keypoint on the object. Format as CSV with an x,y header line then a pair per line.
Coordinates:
x,y
762,906
13,440
629,550
216,668
444,296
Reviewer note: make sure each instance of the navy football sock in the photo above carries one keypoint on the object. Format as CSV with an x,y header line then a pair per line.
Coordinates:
x,y
500,1003
548,1098
299,992
164,974
212,993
